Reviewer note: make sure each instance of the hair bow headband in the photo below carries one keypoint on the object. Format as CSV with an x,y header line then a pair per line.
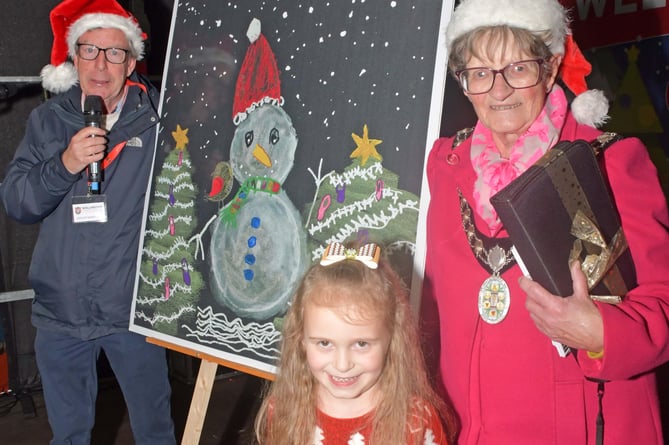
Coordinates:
x,y
368,254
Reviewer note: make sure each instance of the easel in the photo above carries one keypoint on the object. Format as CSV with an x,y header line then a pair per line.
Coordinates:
x,y
203,387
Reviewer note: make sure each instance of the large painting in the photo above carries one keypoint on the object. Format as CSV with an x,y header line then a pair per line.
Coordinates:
x,y
285,125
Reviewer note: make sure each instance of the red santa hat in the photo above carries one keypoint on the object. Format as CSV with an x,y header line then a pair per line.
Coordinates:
x,y
72,18
550,20
258,79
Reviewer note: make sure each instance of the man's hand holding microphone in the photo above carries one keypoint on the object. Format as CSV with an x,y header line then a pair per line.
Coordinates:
x,y
87,147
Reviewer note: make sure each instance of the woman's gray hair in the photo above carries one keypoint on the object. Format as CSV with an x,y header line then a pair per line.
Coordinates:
x,y
485,42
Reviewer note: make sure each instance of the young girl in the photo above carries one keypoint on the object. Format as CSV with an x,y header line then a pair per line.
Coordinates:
x,y
351,369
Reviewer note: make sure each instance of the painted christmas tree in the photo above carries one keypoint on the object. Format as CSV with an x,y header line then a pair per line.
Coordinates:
x,y
169,284
364,203
632,111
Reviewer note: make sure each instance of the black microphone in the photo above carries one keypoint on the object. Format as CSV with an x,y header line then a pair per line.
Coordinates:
x,y
92,118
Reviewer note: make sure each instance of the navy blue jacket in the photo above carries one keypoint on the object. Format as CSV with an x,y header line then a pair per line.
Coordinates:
x,y
83,274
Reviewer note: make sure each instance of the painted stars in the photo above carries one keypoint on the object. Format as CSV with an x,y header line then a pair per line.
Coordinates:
x,y
366,147
180,136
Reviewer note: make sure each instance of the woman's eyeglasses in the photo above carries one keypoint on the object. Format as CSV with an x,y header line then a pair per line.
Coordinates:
x,y
518,75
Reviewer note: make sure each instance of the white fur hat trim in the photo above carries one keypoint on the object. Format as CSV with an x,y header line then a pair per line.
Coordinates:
x,y
102,20
533,15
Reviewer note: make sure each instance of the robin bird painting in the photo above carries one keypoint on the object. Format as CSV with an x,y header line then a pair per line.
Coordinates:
x,y
221,182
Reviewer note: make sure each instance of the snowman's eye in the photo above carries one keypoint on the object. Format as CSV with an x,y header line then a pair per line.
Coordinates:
x,y
274,136
248,138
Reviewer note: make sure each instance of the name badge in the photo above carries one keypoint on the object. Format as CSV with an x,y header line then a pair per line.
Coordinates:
x,y
91,208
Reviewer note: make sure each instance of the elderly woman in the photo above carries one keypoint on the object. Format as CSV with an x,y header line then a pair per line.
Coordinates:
x,y
504,377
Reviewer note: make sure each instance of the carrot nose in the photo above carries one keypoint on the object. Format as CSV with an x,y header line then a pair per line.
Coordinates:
x,y
261,155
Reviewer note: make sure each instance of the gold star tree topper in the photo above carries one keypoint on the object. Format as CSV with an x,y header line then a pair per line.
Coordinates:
x,y
180,137
366,147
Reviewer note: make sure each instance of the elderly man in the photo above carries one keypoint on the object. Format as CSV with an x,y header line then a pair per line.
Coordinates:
x,y
83,266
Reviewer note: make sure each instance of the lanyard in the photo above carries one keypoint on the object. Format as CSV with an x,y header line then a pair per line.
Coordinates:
x,y
106,162
113,154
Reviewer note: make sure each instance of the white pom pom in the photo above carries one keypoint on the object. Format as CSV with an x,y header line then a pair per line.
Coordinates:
x,y
59,79
253,31
591,108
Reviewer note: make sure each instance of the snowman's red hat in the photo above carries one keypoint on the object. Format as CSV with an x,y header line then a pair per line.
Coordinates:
x,y
550,20
258,79
72,18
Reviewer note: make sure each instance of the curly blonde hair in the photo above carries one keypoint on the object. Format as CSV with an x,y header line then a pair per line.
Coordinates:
x,y
289,410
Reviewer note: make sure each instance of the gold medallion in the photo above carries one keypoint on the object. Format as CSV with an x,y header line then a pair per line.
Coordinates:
x,y
494,295
494,300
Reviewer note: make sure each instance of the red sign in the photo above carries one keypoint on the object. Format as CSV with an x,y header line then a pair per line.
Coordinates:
x,y
597,23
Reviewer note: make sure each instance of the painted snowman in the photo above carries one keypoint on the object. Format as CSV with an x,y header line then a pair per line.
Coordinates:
x,y
258,244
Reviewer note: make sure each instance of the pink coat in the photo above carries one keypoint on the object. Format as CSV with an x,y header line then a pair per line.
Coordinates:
x,y
506,381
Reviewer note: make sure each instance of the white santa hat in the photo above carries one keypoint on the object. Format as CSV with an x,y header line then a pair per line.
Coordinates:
x,y
72,18
590,107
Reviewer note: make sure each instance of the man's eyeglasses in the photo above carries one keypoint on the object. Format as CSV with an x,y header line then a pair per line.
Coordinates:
x,y
90,52
518,75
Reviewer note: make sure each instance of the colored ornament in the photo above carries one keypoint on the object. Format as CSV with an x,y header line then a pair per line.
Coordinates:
x,y
341,193
186,273
379,189
172,226
325,203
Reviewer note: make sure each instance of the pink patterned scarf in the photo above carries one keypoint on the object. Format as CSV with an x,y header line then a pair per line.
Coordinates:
x,y
494,172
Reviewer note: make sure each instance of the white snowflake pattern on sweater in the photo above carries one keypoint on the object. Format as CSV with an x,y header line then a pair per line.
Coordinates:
x,y
357,439
356,431
318,436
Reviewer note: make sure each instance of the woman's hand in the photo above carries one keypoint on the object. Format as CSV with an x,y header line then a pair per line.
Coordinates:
x,y
574,321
